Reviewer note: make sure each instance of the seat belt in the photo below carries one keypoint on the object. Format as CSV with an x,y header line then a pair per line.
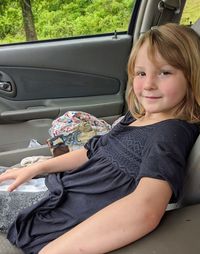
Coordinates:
x,y
168,9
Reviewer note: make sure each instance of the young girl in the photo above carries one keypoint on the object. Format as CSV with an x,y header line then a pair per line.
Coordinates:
x,y
116,189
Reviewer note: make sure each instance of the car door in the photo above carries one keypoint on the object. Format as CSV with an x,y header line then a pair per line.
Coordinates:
x,y
41,80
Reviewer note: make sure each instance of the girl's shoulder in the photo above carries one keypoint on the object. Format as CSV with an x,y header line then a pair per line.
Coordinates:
x,y
165,129
175,131
172,124
177,125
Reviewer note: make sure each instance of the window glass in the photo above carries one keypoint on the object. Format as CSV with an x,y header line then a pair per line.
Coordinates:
x,y
30,20
191,12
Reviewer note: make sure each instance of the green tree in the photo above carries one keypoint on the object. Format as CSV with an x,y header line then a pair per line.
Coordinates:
x,y
46,19
11,25
28,20
82,17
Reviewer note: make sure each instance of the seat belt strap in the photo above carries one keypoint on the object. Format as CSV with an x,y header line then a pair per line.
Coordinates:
x,y
168,9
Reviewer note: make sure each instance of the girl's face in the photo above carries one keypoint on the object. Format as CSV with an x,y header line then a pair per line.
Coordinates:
x,y
158,86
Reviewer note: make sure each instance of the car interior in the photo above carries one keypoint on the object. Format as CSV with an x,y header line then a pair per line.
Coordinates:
x,y
40,81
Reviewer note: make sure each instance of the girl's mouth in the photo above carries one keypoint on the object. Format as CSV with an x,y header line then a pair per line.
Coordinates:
x,y
152,97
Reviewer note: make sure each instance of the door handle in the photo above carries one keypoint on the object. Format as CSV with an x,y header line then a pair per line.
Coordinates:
x,y
5,86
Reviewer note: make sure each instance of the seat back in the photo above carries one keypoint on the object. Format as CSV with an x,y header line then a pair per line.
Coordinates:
x,y
191,190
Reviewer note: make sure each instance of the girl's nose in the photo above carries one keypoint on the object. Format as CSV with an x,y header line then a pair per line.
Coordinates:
x,y
150,83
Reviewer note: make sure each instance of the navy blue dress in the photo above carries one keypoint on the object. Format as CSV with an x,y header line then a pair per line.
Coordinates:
x,y
117,162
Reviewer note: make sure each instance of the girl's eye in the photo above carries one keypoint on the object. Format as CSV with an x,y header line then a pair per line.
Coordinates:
x,y
140,73
165,73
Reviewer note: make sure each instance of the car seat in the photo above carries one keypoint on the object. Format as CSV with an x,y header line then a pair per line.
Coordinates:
x,y
191,190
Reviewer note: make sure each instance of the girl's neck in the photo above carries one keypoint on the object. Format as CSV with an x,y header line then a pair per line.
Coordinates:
x,y
149,119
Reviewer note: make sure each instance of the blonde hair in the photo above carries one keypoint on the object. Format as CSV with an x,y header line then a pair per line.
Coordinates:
x,y
180,47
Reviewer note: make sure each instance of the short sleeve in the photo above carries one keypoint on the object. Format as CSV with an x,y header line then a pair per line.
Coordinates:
x,y
165,156
100,140
92,145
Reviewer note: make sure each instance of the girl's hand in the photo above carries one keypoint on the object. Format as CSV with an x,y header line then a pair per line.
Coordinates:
x,y
19,175
62,163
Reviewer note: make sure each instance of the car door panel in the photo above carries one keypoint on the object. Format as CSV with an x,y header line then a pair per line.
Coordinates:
x,y
35,84
65,70
50,78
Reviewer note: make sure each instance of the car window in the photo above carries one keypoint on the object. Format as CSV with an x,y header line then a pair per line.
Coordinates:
x,y
32,20
191,12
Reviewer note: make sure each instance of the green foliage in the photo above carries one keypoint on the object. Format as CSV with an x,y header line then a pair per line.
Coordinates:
x,y
65,18
11,24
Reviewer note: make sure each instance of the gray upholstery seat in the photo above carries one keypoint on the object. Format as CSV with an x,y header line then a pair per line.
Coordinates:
x,y
6,247
191,192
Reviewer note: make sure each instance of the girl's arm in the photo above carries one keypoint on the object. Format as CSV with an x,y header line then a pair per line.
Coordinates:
x,y
68,161
119,224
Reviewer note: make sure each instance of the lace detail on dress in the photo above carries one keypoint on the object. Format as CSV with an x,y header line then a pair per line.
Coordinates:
x,y
12,203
